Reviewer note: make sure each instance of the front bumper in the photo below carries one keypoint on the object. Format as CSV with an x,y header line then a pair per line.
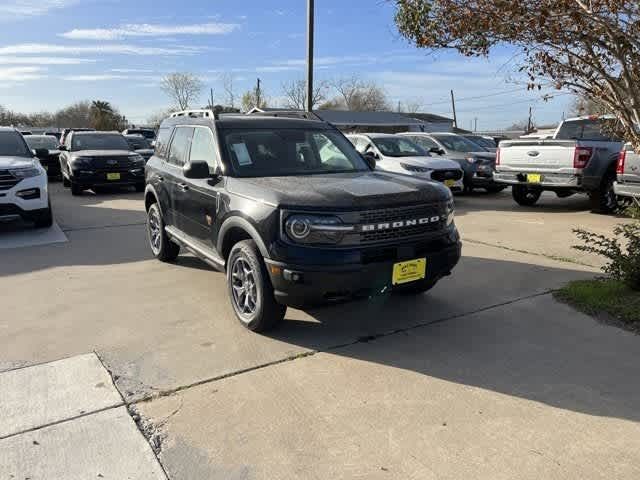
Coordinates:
x,y
13,204
306,285
627,189
99,178
549,180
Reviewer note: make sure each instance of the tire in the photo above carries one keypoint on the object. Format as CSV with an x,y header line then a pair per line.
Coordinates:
x,y
140,187
45,219
65,182
525,196
76,190
161,246
604,199
416,287
250,289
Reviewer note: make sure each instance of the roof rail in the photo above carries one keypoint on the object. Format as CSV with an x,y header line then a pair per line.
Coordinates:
x,y
288,114
201,113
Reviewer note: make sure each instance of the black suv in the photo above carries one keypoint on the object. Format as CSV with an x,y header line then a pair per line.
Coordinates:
x,y
99,159
293,214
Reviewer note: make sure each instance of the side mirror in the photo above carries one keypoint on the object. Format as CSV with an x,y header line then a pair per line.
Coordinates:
x,y
197,169
370,158
41,152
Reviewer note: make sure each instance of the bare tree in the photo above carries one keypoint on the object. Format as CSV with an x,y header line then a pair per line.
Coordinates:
x,y
183,88
410,106
227,86
295,94
356,94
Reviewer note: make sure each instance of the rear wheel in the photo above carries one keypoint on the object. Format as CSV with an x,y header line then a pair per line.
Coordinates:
x,y
162,247
250,289
604,200
524,195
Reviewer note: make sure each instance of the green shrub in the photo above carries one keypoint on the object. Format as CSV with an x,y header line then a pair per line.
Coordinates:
x,y
622,251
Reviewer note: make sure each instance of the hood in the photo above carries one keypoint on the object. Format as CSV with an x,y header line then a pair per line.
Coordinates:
x,y
433,163
341,191
15,162
101,153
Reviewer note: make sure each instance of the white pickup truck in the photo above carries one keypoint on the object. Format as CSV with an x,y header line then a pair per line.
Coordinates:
x,y
628,184
580,158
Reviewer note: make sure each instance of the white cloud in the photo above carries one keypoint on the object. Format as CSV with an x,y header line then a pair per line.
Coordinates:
x,y
121,49
12,60
150,30
131,70
16,9
19,74
93,78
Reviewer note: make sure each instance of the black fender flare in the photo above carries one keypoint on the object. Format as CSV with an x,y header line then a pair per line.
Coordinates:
x,y
244,224
149,189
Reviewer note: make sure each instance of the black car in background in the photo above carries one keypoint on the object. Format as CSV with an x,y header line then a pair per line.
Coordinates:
x,y
47,150
148,133
67,131
140,145
92,160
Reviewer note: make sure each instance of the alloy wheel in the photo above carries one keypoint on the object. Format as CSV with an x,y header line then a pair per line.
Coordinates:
x,y
244,288
155,230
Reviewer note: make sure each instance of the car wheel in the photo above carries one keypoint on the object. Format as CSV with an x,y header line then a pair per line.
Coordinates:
x,y
604,200
250,289
162,247
419,286
525,196
140,187
65,181
45,219
76,189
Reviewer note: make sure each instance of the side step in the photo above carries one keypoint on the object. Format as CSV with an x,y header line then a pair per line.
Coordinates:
x,y
195,247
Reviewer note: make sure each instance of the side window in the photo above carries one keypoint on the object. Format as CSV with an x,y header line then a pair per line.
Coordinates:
x,y
180,145
203,147
424,142
162,141
329,153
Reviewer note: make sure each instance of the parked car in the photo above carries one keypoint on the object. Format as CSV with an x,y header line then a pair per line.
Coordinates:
x,y
46,148
90,160
67,131
23,181
292,221
140,145
628,174
488,143
477,163
581,158
148,133
394,153
54,134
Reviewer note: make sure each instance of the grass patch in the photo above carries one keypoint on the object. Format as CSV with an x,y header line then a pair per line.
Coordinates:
x,y
599,296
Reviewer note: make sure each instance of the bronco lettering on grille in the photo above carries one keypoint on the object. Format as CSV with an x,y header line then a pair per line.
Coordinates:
x,y
399,224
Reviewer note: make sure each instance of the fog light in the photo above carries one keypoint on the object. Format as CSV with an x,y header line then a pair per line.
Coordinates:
x,y
29,194
295,277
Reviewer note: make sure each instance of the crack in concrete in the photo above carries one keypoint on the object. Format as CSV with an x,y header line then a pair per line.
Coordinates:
x,y
101,227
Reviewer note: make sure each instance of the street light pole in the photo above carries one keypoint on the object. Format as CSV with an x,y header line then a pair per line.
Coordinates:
x,y
310,27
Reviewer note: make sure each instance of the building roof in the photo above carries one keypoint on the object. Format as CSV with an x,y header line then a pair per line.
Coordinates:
x,y
430,117
373,119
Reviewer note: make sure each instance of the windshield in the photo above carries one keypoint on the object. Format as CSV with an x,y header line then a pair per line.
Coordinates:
x,y
13,145
99,141
269,153
457,143
138,143
41,141
399,147
483,142
585,130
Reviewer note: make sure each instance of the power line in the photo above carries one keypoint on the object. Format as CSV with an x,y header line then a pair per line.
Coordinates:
x,y
504,92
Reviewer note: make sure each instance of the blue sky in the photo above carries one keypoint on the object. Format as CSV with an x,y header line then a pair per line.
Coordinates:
x,y
55,52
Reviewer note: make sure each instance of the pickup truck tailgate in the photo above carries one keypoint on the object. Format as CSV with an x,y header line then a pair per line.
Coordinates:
x,y
540,156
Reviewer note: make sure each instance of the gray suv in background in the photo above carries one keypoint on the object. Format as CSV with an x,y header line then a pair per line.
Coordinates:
x,y
628,173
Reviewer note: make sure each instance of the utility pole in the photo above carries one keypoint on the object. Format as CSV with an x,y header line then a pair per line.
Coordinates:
x,y
310,34
453,107
475,125
529,121
258,93
211,98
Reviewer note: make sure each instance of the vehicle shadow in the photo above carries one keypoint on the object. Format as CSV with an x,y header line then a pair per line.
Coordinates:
x,y
502,202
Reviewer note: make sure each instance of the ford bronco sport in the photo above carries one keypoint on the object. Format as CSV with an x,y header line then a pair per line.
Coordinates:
x,y
292,213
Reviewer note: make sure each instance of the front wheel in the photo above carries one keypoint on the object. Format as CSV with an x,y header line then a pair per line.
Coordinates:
x,y
161,246
250,289
525,196
45,219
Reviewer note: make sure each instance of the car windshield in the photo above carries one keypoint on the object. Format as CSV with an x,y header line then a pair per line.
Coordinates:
x,y
12,145
267,152
41,141
586,129
138,143
99,141
399,147
483,142
457,143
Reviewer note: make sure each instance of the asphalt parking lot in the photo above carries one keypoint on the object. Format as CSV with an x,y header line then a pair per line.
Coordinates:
x,y
486,376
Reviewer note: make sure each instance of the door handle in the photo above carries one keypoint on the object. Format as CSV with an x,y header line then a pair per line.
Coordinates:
x,y
183,187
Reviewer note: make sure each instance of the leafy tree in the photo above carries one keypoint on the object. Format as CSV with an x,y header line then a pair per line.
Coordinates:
x,y
182,88
590,47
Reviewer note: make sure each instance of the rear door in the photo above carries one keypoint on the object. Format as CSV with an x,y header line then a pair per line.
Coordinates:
x,y
174,180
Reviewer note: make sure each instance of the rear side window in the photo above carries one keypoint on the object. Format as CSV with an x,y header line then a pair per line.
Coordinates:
x,y
180,145
162,142
203,147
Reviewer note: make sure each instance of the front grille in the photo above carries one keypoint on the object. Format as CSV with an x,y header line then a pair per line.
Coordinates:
x,y
442,175
398,214
111,164
7,181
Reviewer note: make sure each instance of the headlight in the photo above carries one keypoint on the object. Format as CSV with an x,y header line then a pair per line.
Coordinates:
x,y
25,172
413,168
315,229
137,160
79,162
451,209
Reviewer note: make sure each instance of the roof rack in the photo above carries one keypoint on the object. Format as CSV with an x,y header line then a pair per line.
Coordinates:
x,y
288,114
202,113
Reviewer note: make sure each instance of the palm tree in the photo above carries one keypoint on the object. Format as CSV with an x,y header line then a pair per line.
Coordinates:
x,y
101,114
